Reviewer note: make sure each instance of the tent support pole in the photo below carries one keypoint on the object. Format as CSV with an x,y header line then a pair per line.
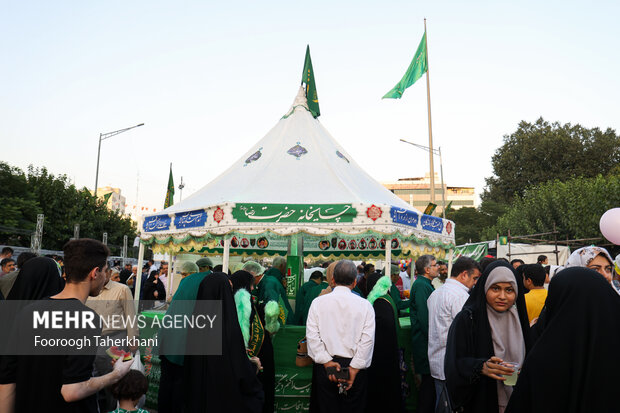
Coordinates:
x,y
450,258
138,280
388,257
226,255
168,277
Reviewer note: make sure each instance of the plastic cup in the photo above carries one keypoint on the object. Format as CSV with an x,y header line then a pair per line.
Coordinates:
x,y
511,379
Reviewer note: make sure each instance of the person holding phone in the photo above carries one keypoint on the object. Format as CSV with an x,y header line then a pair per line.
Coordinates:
x,y
340,333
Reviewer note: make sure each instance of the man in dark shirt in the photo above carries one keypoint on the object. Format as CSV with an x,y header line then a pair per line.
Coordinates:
x,y
61,379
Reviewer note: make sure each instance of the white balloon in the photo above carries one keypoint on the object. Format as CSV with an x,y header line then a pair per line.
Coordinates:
x,y
610,225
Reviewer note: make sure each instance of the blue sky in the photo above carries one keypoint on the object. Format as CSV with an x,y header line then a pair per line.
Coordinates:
x,y
209,79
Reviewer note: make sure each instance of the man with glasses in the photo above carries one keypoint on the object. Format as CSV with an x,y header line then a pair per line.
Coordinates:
x,y
427,270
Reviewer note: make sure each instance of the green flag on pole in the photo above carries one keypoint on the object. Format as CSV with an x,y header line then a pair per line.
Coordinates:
x,y
418,66
106,198
170,191
307,78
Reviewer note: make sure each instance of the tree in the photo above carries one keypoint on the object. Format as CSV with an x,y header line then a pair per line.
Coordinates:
x,y
575,206
540,152
26,195
18,215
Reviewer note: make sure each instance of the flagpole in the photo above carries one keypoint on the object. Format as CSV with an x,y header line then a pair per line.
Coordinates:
x,y
430,126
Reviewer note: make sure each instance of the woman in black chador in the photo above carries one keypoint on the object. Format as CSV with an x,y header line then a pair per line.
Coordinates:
x,y
256,338
491,329
225,382
573,368
384,380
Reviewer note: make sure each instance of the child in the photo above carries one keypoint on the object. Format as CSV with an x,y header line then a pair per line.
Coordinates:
x,y
128,392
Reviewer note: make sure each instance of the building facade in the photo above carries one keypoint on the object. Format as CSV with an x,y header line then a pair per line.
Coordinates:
x,y
116,202
417,193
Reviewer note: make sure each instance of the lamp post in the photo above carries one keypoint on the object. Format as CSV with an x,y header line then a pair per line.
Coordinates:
x,y
443,188
103,136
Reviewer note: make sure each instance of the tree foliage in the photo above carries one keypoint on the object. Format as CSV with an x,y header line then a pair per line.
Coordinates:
x,y
575,206
542,151
25,195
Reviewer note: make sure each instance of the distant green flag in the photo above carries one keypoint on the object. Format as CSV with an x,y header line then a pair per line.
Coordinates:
x,y
307,77
430,208
106,198
170,192
418,66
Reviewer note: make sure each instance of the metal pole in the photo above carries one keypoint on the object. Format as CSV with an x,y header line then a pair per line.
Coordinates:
x,y
103,136
388,257
226,255
181,186
138,280
124,253
430,125
105,238
76,231
443,188
97,173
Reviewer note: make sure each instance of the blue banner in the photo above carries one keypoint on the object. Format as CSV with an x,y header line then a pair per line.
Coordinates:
x,y
191,219
404,216
431,223
156,223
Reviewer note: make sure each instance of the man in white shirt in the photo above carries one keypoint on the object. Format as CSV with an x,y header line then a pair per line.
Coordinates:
x,y
340,332
443,306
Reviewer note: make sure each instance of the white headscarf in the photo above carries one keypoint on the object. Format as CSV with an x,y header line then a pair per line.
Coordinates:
x,y
506,332
583,256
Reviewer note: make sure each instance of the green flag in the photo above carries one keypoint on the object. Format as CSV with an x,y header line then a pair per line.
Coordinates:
x,y
307,77
418,66
106,198
430,208
170,192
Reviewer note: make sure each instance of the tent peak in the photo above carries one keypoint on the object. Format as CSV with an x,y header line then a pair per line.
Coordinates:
x,y
300,102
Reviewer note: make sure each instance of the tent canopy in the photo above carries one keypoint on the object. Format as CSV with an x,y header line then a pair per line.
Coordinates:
x,y
297,179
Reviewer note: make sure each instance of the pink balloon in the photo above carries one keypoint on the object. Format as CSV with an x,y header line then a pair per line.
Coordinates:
x,y
610,225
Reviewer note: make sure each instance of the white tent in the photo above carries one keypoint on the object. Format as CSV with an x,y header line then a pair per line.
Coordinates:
x,y
296,181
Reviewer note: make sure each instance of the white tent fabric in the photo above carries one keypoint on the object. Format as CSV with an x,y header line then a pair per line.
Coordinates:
x,y
318,176
300,171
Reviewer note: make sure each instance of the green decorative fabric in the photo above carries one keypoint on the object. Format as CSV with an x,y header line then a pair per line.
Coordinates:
x,y
173,241
381,288
417,67
294,213
272,316
243,302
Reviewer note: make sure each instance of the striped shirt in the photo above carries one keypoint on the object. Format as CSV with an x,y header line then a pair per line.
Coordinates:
x,y
443,306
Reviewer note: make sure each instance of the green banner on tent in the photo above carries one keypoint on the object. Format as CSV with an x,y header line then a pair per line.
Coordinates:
x,y
291,213
473,251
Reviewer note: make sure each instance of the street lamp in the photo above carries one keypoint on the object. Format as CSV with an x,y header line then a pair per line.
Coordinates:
x,y
443,188
103,136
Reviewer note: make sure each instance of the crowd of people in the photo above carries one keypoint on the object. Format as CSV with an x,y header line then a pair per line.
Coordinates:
x,y
491,336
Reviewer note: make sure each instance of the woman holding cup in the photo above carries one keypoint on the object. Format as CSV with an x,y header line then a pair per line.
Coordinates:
x,y
487,342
